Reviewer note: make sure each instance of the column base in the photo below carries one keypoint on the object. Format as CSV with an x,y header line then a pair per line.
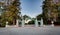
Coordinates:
x,y
52,25
6,26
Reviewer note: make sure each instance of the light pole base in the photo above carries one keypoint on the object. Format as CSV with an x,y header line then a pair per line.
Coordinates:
x,y
52,25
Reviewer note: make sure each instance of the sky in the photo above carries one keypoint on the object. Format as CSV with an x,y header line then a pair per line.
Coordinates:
x,y
31,7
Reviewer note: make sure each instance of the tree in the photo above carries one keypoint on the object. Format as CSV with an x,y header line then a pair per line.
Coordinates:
x,y
25,16
39,17
11,13
2,9
47,7
45,10
50,11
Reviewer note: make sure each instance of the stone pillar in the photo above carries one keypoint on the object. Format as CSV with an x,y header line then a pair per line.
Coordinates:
x,y
7,24
23,22
17,23
41,22
36,23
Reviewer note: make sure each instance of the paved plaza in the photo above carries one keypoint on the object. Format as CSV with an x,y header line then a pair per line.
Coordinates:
x,y
30,31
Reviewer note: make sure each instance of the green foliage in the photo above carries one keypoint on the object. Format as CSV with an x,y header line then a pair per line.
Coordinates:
x,y
3,24
25,16
11,13
31,22
54,10
39,17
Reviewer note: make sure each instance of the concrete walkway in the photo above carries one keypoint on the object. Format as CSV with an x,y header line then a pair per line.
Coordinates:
x,y
30,31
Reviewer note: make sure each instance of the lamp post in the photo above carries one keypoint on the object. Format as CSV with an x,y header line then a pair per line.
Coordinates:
x,y
52,23
6,23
